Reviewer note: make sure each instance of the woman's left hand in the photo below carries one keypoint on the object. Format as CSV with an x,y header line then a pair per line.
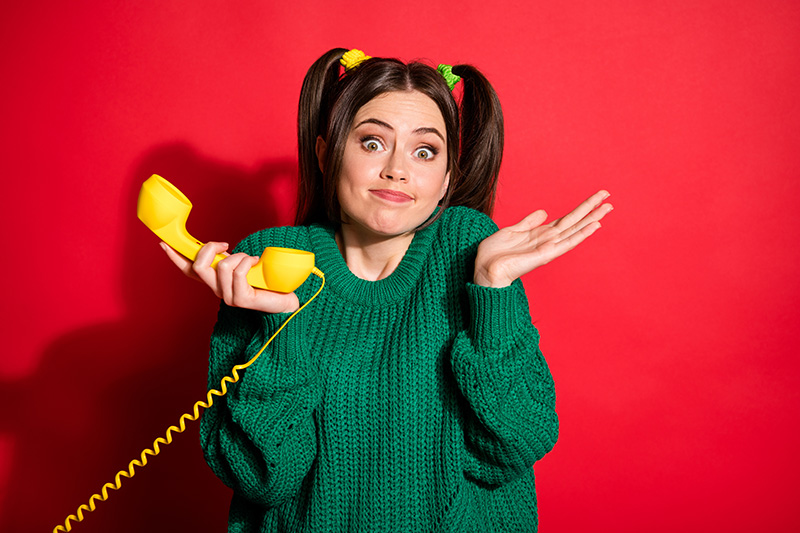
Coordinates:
x,y
516,250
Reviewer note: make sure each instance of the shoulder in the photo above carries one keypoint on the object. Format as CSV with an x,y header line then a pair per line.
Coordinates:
x,y
458,233
466,225
283,236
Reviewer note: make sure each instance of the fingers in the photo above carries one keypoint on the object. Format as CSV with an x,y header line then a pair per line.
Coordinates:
x,y
595,216
569,231
226,273
586,207
556,248
208,252
202,265
575,238
240,293
181,262
228,279
596,211
237,292
531,221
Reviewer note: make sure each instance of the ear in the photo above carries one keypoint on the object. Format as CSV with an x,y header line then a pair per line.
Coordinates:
x,y
320,149
445,184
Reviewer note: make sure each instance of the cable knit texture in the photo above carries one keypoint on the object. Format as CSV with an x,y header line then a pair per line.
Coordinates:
x,y
419,402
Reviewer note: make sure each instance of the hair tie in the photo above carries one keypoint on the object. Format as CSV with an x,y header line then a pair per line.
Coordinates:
x,y
447,73
352,58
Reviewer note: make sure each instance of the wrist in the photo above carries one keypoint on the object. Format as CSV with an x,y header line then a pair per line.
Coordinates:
x,y
486,278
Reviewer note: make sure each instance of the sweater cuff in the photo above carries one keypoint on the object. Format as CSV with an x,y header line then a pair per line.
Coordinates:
x,y
286,362
494,314
290,341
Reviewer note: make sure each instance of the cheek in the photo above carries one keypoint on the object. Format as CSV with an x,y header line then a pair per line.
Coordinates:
x,y
435,185
353,180
357,171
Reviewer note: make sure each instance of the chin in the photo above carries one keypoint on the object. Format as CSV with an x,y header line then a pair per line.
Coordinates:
x,y
387,222
388,228
392,230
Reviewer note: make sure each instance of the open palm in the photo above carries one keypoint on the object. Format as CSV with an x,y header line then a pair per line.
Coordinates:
x,y
516,250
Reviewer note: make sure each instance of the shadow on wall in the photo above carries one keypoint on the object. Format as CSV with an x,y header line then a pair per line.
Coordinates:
x,y
113,388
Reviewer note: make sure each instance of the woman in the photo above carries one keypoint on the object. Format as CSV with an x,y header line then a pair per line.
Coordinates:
x,y
411,395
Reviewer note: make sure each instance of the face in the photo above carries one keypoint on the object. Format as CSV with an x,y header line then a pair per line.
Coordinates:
x,y
394,169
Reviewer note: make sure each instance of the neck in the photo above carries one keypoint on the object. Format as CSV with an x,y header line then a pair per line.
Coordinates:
x,y
369,256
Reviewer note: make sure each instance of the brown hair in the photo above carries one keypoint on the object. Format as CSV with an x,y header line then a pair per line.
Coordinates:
x,y
329,102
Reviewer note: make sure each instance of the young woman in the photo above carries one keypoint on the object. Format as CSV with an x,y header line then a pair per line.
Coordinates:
x,y
411,395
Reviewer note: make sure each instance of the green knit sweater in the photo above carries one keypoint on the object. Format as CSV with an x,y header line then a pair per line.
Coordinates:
x,y
416,403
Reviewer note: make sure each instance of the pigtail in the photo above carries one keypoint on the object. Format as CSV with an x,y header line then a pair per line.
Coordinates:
x,y
322,75
481,142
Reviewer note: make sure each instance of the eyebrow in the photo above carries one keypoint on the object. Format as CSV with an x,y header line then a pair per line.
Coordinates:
x,y
420,130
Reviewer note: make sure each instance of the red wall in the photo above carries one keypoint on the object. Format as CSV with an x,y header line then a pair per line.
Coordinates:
x,y
671,333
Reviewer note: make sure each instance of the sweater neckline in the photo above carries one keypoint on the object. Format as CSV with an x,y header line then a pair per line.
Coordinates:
x,y
392,288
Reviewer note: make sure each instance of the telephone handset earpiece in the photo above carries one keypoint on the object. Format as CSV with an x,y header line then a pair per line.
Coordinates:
x,y
164,209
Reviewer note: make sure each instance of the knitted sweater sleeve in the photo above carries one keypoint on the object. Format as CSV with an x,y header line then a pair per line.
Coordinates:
x,y
510,420
260,438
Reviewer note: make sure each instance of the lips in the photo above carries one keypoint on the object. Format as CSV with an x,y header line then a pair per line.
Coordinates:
x,y
391,195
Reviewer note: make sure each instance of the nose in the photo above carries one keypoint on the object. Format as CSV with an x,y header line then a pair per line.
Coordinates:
x,y
395,167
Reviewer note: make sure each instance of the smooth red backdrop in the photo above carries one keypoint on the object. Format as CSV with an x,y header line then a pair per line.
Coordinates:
x,y
672,333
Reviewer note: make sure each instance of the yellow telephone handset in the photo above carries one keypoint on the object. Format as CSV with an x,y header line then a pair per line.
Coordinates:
x,y
164,209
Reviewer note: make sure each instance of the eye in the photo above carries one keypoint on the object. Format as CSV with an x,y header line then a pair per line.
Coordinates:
x,y
425,152
371,144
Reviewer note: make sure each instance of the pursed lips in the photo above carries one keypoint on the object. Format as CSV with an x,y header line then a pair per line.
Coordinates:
x,y
391,195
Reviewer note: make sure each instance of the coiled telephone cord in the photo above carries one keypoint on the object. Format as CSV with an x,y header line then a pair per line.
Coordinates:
x,y
129,473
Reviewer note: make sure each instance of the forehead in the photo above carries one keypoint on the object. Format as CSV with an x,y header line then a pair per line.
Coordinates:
x,y
403,108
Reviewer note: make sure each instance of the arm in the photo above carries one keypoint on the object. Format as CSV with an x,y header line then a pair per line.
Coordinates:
x,y
511,421
260,438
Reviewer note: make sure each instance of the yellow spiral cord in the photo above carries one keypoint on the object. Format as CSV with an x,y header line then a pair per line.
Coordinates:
x,y
186,416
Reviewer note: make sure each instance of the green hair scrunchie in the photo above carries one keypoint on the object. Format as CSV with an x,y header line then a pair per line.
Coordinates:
x,y
447,73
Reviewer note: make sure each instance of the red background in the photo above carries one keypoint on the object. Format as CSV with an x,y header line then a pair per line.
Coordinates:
x,y
671,333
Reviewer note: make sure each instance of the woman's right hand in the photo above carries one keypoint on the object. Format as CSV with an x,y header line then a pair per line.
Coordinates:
x,y
228,279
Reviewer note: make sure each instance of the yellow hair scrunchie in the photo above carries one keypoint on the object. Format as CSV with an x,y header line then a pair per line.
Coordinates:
x,y
352,58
